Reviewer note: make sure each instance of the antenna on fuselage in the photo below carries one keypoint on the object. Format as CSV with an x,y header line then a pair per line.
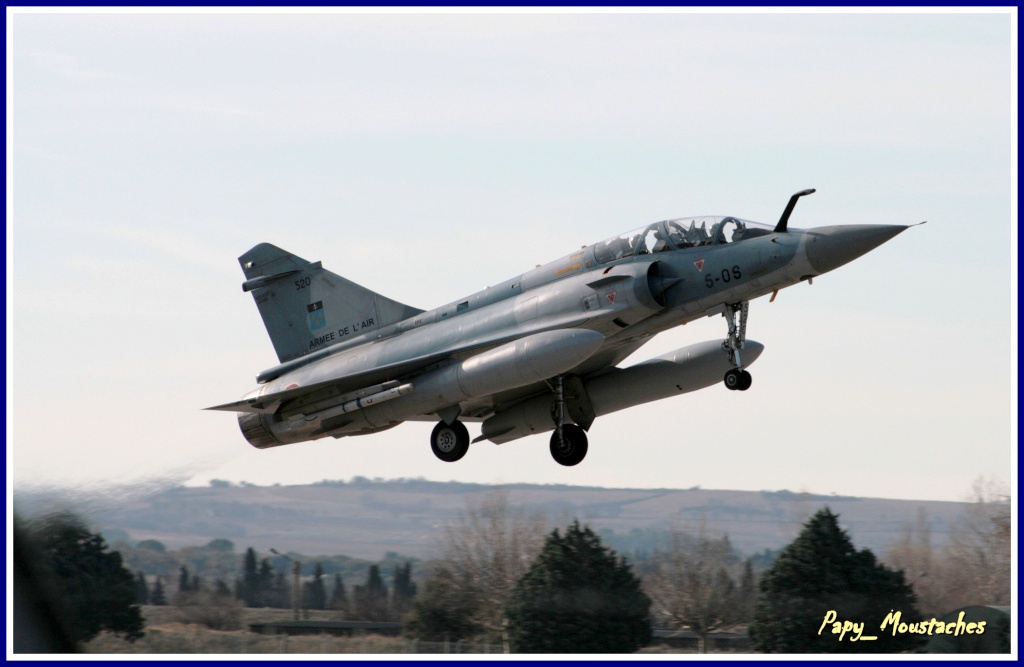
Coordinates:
x,y
784,220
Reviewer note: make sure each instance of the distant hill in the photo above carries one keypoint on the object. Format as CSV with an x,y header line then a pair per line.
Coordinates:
x,y
368,518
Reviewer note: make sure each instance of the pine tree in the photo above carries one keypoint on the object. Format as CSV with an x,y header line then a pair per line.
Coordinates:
x,y
316,593
339,600
141,588
184,581
371,600
746,596
403,591
578,597
282,592
95,590
158,597
265,587
251,592
821,571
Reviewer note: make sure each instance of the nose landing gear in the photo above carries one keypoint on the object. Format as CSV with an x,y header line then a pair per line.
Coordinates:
x,y
737,378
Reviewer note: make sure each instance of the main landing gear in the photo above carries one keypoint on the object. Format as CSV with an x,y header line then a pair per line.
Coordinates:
x,y
737,378
569,441
450,442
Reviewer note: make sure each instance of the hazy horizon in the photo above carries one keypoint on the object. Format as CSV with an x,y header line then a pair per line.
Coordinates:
x,y
110,494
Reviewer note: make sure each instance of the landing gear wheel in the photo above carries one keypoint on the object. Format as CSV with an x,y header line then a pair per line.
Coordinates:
x,y
734,379
450,442
572,447
745,381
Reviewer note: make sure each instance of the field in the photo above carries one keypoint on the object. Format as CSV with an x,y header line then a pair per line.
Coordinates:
x,y
166,634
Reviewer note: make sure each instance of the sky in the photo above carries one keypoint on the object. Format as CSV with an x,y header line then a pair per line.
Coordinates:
x,y
429,155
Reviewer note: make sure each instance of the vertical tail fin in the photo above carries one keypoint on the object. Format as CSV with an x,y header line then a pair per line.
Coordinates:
x,y
305,307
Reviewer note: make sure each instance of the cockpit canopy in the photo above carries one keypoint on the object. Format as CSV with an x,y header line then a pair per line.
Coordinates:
x,y
679,234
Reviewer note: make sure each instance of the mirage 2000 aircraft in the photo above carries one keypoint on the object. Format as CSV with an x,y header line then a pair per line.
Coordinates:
x,y
536,353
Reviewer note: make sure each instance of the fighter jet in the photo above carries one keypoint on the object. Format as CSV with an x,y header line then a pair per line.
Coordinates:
x,y
536,353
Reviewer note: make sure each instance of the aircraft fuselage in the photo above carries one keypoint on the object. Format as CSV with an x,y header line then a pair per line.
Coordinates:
x,y
536,353
617,304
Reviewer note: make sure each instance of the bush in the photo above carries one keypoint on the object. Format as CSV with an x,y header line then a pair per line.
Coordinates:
x,y
213,610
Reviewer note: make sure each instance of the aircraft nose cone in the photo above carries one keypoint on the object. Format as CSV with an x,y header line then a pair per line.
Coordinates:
x,y
831,247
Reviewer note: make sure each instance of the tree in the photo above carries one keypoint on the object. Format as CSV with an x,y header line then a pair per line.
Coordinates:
x,y
691,586
746,596
266,595
981,545
152,545
371,600
141,589
403,590
98,593
973,569
578,597
220,544
184,581
249,591
819,572
936,584
316,593
443,611
339,600
158,597
282,598
484,553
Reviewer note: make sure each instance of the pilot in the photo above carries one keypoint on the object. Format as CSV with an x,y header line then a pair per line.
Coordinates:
x,y
660,244
607,251
633,243
623,248
737,234
703,238
694,236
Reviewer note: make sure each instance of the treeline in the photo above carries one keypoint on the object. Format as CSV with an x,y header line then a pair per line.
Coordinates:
x,y
262,584
71,586
501,570
503,578
507,576
221,559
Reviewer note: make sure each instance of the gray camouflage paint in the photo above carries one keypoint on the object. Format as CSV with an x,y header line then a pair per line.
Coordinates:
x,y
354,362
